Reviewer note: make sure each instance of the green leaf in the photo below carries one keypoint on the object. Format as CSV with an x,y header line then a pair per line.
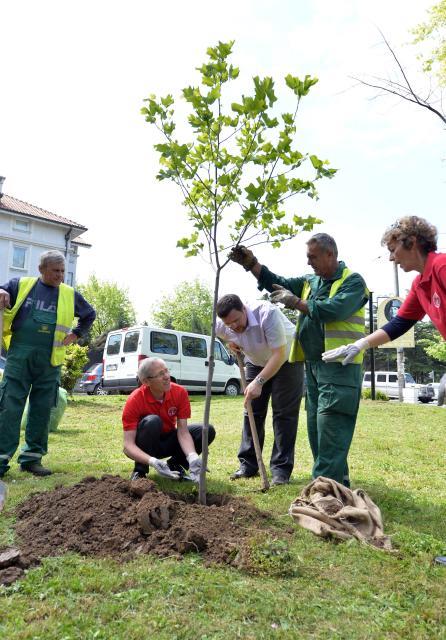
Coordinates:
x,y
287,118
238,108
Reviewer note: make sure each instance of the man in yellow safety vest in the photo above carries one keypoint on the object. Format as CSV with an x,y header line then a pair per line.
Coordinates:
x,y
37,327
331,305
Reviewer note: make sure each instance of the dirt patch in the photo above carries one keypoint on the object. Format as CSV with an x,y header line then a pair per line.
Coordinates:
x,y
114,517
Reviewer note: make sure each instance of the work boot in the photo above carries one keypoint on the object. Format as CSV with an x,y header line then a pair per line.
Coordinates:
x,y
36,469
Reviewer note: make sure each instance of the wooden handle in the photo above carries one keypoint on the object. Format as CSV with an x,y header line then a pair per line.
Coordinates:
x,y
252,424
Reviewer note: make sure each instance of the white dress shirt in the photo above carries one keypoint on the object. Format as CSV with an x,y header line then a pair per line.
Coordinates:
x,y
268,328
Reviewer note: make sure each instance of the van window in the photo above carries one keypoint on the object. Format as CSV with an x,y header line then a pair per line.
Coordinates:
x,y
131,341
220,353
194,347
367,377
408,378
161,342
381,377
393,377
114,344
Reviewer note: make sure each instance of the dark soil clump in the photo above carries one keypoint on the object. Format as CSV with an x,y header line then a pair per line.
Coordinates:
x,y
114,517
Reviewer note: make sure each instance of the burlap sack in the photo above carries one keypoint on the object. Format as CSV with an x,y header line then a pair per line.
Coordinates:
x,y
330,510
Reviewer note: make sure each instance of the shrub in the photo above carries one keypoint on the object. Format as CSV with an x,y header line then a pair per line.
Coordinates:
x,y
75,360
366,394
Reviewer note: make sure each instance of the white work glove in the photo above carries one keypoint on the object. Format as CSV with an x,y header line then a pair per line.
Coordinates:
x,y
163,469
195,465
347,351
288,299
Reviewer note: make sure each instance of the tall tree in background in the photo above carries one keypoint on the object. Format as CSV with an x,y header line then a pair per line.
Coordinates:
x,y
435,347
237,171
188,308
112,303
432,33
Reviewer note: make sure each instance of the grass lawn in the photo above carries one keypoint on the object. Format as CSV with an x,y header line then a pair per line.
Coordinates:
x,y
329,591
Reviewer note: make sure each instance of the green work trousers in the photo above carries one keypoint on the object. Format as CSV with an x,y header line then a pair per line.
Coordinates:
x,y
28,371
331,418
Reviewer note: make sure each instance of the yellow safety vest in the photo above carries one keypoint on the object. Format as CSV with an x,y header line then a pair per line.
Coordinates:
x,y
336,333
64,317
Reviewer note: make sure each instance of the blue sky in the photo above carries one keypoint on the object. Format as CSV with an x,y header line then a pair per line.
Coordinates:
x,y
72,139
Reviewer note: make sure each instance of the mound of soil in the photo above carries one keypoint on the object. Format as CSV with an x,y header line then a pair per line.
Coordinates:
x,y
114,517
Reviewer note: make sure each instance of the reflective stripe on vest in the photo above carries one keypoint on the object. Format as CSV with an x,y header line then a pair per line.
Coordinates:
x,y
336,333
64,317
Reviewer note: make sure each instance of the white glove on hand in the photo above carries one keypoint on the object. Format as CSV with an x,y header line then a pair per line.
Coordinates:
x,y
347,351
288,299
195,465
163,469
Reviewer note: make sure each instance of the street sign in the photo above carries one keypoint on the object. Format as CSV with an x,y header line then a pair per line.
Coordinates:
x,y
387,309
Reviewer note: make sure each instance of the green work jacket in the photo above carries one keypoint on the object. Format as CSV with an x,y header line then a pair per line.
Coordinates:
x,y
351,296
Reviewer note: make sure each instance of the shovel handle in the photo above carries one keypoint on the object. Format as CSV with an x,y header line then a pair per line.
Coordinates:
x,y
252,424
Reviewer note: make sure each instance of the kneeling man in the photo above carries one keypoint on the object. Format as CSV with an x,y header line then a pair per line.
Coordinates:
x,y
155,426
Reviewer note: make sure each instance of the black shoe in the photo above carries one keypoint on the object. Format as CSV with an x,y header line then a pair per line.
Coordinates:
x,y
241,473
276,480
36,469
137,475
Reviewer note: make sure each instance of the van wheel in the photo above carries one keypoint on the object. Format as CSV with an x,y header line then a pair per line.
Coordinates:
x,y
100,391
232,389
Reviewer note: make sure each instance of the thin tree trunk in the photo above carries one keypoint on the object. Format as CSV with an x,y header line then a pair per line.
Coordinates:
x,y
207,404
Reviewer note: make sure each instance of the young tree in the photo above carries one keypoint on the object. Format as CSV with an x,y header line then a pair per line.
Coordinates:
x,y
188,308
237,171
112,303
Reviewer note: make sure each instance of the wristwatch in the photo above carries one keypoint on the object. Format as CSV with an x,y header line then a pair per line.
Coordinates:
x,y
261,381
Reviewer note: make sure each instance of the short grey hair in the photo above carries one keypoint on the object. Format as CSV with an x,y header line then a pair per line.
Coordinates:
x,y
146,366
49,257
325,242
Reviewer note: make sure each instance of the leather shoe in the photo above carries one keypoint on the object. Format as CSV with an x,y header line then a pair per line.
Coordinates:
x,y
36,469
241,473
276,480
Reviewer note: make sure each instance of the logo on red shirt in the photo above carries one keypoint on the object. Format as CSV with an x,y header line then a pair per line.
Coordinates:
x,y
172,411
436,301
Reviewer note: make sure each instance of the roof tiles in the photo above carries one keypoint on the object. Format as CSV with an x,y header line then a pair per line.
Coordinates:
x,y
8,203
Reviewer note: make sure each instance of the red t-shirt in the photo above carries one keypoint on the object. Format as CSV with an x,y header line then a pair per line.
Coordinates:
x,y
427,295
141,403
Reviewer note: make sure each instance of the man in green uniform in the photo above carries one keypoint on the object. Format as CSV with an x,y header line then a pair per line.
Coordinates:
x,y
331,305
37,328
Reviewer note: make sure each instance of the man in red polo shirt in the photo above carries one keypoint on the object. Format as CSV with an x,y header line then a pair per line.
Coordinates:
x,y
155,426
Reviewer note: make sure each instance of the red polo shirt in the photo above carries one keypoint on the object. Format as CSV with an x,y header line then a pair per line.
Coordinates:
x,y
141,403
427,295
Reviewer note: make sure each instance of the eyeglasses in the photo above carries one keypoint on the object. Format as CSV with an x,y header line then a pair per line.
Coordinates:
x,y
160,374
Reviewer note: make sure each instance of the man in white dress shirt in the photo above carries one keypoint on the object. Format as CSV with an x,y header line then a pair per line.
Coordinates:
x,y
265,335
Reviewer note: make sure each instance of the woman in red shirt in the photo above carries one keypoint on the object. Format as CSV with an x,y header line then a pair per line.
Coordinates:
x,y
412,243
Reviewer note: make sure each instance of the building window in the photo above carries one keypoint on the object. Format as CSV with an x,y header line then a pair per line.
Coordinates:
x,y
21,225
19,257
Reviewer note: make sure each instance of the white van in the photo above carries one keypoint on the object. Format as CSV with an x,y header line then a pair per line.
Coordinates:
x,y
387,381
186,355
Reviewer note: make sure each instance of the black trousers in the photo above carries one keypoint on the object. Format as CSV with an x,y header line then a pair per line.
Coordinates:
x,y
285,390
151,440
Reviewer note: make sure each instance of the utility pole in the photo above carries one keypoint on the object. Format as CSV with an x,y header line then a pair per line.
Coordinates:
x,y
399,350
